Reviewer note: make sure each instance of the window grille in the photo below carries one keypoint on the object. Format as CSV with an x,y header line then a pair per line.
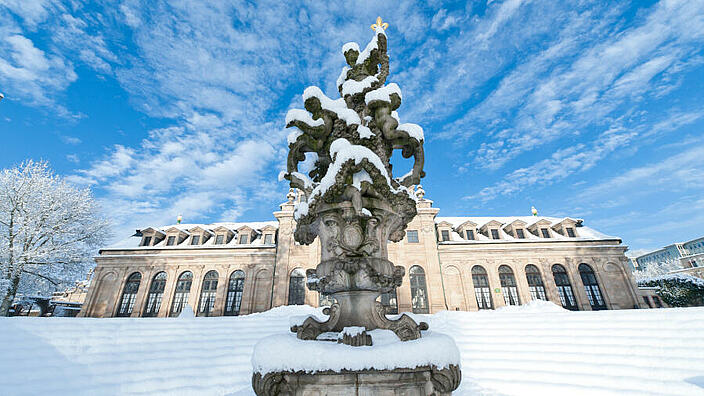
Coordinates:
x,y
156,293
481,287
419,292
591,287
564,288
129,294
235,289
183,289
207,293
508,286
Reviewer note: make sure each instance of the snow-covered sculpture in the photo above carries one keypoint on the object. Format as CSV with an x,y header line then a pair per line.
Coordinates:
x,y
351,199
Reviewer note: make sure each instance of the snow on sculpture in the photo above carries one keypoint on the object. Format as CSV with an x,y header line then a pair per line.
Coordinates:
x,y
351,198
352,201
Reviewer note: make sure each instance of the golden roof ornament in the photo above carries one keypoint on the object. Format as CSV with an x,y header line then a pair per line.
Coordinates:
x,y
379,24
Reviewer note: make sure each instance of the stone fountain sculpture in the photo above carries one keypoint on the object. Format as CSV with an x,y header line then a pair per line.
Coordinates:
x,y
352,200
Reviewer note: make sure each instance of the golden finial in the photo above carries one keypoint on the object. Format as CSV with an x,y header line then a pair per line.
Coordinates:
x,y
379,24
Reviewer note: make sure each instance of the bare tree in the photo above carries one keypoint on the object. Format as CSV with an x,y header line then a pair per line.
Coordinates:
x,y
47,227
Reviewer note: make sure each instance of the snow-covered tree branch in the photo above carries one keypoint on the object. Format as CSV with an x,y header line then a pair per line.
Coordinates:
x,y
48,228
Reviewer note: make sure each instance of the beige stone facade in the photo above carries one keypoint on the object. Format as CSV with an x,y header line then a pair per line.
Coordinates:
x,y
452,263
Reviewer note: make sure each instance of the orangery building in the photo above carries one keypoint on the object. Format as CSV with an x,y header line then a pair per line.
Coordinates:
x,y
452,263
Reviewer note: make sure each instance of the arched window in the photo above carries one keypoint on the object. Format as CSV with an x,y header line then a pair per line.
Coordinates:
x,y
156,292
183,288
235,288
390,301
297,287
591,286
207,293
564,288
129,294
508,285
419,293
535,283
481,287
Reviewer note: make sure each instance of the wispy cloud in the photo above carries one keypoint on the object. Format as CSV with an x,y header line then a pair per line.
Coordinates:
x,y
581,157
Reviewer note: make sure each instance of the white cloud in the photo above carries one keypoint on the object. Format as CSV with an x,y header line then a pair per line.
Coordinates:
x,y
581,157
28,73
72,140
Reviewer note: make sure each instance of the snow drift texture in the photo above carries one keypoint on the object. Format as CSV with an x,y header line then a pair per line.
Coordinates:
x,y
534,350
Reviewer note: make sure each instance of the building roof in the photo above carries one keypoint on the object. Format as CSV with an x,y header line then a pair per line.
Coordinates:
x,y
134,241
583,233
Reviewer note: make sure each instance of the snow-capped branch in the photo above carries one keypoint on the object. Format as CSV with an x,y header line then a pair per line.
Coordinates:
x,y
48,228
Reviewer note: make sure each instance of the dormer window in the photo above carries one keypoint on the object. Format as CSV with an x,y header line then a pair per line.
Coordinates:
x,y
195,240
171,240
146,241
570,232
445,235
243,239
545,232
520,234
268,239
495,233
470,235
219,239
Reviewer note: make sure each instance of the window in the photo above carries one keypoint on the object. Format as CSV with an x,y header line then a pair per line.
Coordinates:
x,y
146,241
494,233
657,301
171,241
647,301
195,240
545,232
207,293
243,239
412,236
183,288
297,287
508,285
268,239
219,239
470,235
535,283
481,287
129,294
570,232
591,286
564,288
156,293
389,301
520,234
235,288
445,235
419,293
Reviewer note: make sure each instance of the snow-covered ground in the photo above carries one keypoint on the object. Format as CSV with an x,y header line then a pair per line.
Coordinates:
x,y
531,350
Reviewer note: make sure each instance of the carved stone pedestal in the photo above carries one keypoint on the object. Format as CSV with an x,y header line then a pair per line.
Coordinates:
x,y
420,381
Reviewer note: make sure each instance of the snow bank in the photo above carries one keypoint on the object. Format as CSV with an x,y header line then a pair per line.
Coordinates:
x,y
285,352
629,352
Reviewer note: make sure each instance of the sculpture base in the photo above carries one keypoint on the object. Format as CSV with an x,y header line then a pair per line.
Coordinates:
x,y
285,365
419,381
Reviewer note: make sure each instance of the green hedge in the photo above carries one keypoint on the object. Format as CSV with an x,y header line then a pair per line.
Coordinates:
x,y
677,290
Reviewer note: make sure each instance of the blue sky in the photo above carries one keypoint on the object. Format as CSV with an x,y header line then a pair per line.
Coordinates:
x,y
584,109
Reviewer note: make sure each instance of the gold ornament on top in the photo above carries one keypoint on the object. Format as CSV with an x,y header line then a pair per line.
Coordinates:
x,y
379,24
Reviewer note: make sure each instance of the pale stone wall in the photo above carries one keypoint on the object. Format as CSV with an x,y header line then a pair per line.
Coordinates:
x,y
446,265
